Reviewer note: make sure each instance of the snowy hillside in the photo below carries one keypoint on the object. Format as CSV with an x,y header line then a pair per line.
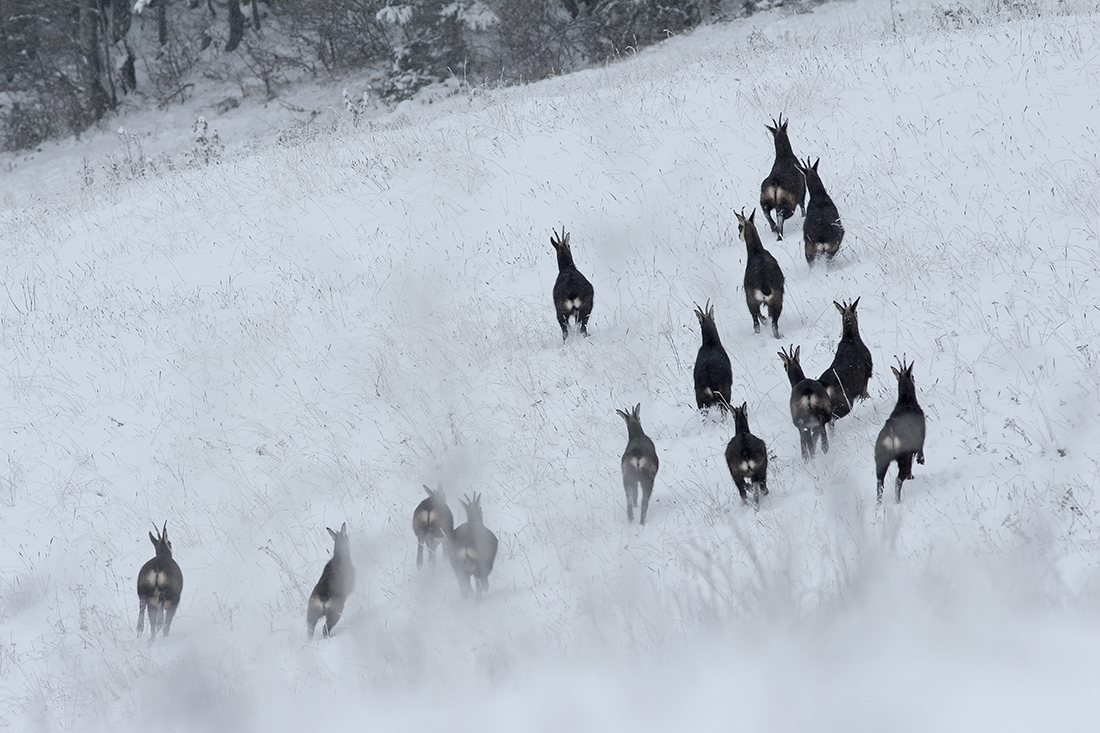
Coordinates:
x,y
308,331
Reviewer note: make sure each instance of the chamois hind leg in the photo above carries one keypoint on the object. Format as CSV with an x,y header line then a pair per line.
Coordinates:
x,y
773,314
630,488
330,621
169,614
582,319
767,209
141,615
463,583
905,471
824,438
419,554
563,321
314,612
647,491
332,615
880,479
754,311
805,436
156,619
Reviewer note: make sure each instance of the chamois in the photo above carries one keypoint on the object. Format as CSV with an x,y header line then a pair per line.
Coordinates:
x,y
763,277
822,231
473,549
572,292
747,458
432,524
336,584
846,378
713,375
639,463
902,436
159,585
785,187
810,406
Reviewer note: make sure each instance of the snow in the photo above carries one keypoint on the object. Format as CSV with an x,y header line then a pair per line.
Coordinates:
x,y
307,331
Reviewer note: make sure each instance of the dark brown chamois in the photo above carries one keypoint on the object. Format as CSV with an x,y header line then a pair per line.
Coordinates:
x,y
639,463
432,524
822,231
763,277
473,549
159,585
747,458
811,410
573,293
713,374
785,187
902,437
847,377
336,584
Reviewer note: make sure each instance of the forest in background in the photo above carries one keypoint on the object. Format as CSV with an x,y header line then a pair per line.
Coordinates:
x,y
65,65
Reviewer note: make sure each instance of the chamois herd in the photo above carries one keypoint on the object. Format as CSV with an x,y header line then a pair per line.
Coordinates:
x,y
815,404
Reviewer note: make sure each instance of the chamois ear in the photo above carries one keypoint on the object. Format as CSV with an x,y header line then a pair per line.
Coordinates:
x,y
329,530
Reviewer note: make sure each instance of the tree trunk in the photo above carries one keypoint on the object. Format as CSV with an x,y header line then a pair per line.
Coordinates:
x,y
162,22
95,98
236,26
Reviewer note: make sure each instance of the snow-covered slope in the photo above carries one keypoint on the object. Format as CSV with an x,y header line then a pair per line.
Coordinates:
x,y
305,333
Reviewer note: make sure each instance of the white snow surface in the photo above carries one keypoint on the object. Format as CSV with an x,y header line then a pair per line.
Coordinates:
x,y
307,331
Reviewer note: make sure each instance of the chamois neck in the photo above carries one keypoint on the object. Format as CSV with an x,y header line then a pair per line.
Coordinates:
x,y
710,333
752,239
740,423
565,258
907,392
634,429
783,145
794,372
815,186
